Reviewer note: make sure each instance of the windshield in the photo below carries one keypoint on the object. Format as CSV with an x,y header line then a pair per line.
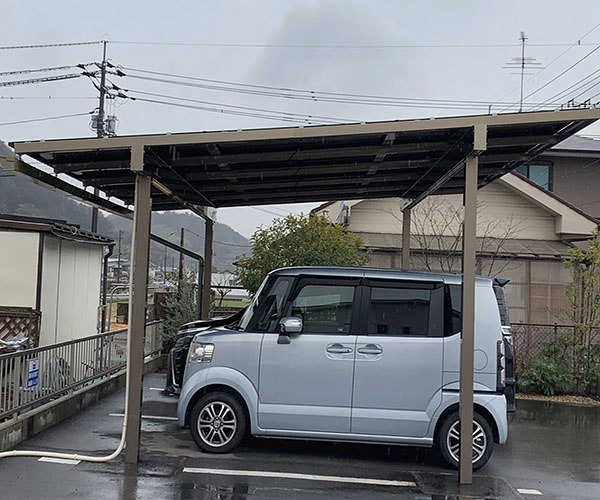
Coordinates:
x,y
265,310
251,308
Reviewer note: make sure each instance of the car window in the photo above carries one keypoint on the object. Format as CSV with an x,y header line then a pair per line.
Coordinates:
x,y
404,308
399,311
324,308
267,307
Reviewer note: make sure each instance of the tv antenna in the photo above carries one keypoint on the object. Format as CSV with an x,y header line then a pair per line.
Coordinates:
x,y
522,64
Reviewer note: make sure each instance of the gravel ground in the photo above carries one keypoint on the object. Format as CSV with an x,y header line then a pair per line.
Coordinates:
x,y
573,400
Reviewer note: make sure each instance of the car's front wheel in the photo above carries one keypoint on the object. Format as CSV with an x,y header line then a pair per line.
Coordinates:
x,y
448,440
218,422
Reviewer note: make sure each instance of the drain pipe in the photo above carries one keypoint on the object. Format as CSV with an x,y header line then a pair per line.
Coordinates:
x,y
75,456
111,247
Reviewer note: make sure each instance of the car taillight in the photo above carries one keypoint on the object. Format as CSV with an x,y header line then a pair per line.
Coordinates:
x,y
501,366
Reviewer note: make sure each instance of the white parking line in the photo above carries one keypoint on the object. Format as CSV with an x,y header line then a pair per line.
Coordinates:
x,y
306,477
527,491
65,461
147,417
156,389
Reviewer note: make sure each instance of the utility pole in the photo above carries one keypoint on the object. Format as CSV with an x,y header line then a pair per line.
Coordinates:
x,y
119,257
100,126
181,240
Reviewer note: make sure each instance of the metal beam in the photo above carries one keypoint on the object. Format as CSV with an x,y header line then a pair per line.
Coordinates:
x,y
508,119
41,178
406,238
208,249
468,308
138,285
184,204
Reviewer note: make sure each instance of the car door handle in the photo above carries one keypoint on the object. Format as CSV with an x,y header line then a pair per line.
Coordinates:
x,y
371,349
338,349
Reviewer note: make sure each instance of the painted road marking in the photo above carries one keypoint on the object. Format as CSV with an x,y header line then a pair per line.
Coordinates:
x,y
526,491
156,389
65,461
147,417
307,477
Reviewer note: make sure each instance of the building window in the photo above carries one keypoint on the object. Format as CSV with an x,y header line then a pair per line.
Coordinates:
x,y
540,173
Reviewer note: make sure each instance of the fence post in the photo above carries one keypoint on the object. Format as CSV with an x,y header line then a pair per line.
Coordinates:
x,y
555,331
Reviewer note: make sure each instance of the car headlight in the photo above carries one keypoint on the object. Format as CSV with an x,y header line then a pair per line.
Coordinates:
x,y
200,352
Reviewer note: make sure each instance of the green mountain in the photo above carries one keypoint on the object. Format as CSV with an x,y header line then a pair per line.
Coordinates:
x,y
20,197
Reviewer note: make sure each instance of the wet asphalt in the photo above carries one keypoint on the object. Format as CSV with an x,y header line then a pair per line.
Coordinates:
x,y
552,448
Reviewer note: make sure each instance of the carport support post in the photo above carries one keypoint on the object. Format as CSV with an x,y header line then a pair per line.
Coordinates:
x,y
406,238
468,308
208,250
138,285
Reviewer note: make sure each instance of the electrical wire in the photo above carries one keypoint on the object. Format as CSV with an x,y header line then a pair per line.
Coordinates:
x,y
40,80
320,96
553,100
48,45
55,98
579,61
311,93
227,111
46,118
574,44
40,70
246,108
338,46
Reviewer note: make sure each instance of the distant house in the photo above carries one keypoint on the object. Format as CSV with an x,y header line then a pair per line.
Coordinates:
x,y
571,169
50,279
524,232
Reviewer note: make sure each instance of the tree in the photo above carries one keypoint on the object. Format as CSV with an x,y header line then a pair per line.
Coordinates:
x,y
299,241
437,230
583,312
181,306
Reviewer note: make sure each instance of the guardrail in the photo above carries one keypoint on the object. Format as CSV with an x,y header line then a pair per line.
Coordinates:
x,y
32,377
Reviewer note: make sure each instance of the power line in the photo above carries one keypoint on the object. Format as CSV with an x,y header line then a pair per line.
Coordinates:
x,y
314,95
340,46
55,68
574,44
48,45
228,111
246,108
45,119
16,98
563,72
39,80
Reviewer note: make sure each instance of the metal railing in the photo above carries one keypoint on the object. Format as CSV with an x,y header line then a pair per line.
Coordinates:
x,y
32,377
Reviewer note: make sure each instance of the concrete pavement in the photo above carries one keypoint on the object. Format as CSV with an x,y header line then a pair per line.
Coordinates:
x,y
553,450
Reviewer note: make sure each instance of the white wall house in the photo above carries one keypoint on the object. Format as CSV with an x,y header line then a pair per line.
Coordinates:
x,y
55,269
523,231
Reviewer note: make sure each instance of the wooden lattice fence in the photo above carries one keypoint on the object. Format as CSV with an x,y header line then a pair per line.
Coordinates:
x,y
15,320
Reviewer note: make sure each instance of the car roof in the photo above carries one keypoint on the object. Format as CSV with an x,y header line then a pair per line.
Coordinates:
x,y
364,272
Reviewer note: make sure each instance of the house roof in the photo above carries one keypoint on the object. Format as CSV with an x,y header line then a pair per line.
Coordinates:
x,y
58,228
578,143
485,246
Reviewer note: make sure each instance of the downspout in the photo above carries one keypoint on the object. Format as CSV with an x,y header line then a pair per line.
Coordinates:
x,y
111,247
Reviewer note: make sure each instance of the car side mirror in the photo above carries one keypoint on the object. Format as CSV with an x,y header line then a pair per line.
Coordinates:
x,y
292,324
287,326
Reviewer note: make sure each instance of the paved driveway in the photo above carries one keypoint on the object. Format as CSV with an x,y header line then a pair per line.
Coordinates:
x,y
553,451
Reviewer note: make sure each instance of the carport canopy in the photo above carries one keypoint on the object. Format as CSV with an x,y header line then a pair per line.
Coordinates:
x,y
408,159
319,163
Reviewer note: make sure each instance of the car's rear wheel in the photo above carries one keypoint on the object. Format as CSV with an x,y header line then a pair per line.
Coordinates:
x,y
448,440
218,422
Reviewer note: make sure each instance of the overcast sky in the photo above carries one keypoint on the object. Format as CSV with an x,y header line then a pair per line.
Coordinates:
x,y
445,72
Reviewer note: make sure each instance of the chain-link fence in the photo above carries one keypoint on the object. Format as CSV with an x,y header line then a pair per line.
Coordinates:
x,y
577,349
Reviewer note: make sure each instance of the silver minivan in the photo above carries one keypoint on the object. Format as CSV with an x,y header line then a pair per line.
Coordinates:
x,y
349,354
